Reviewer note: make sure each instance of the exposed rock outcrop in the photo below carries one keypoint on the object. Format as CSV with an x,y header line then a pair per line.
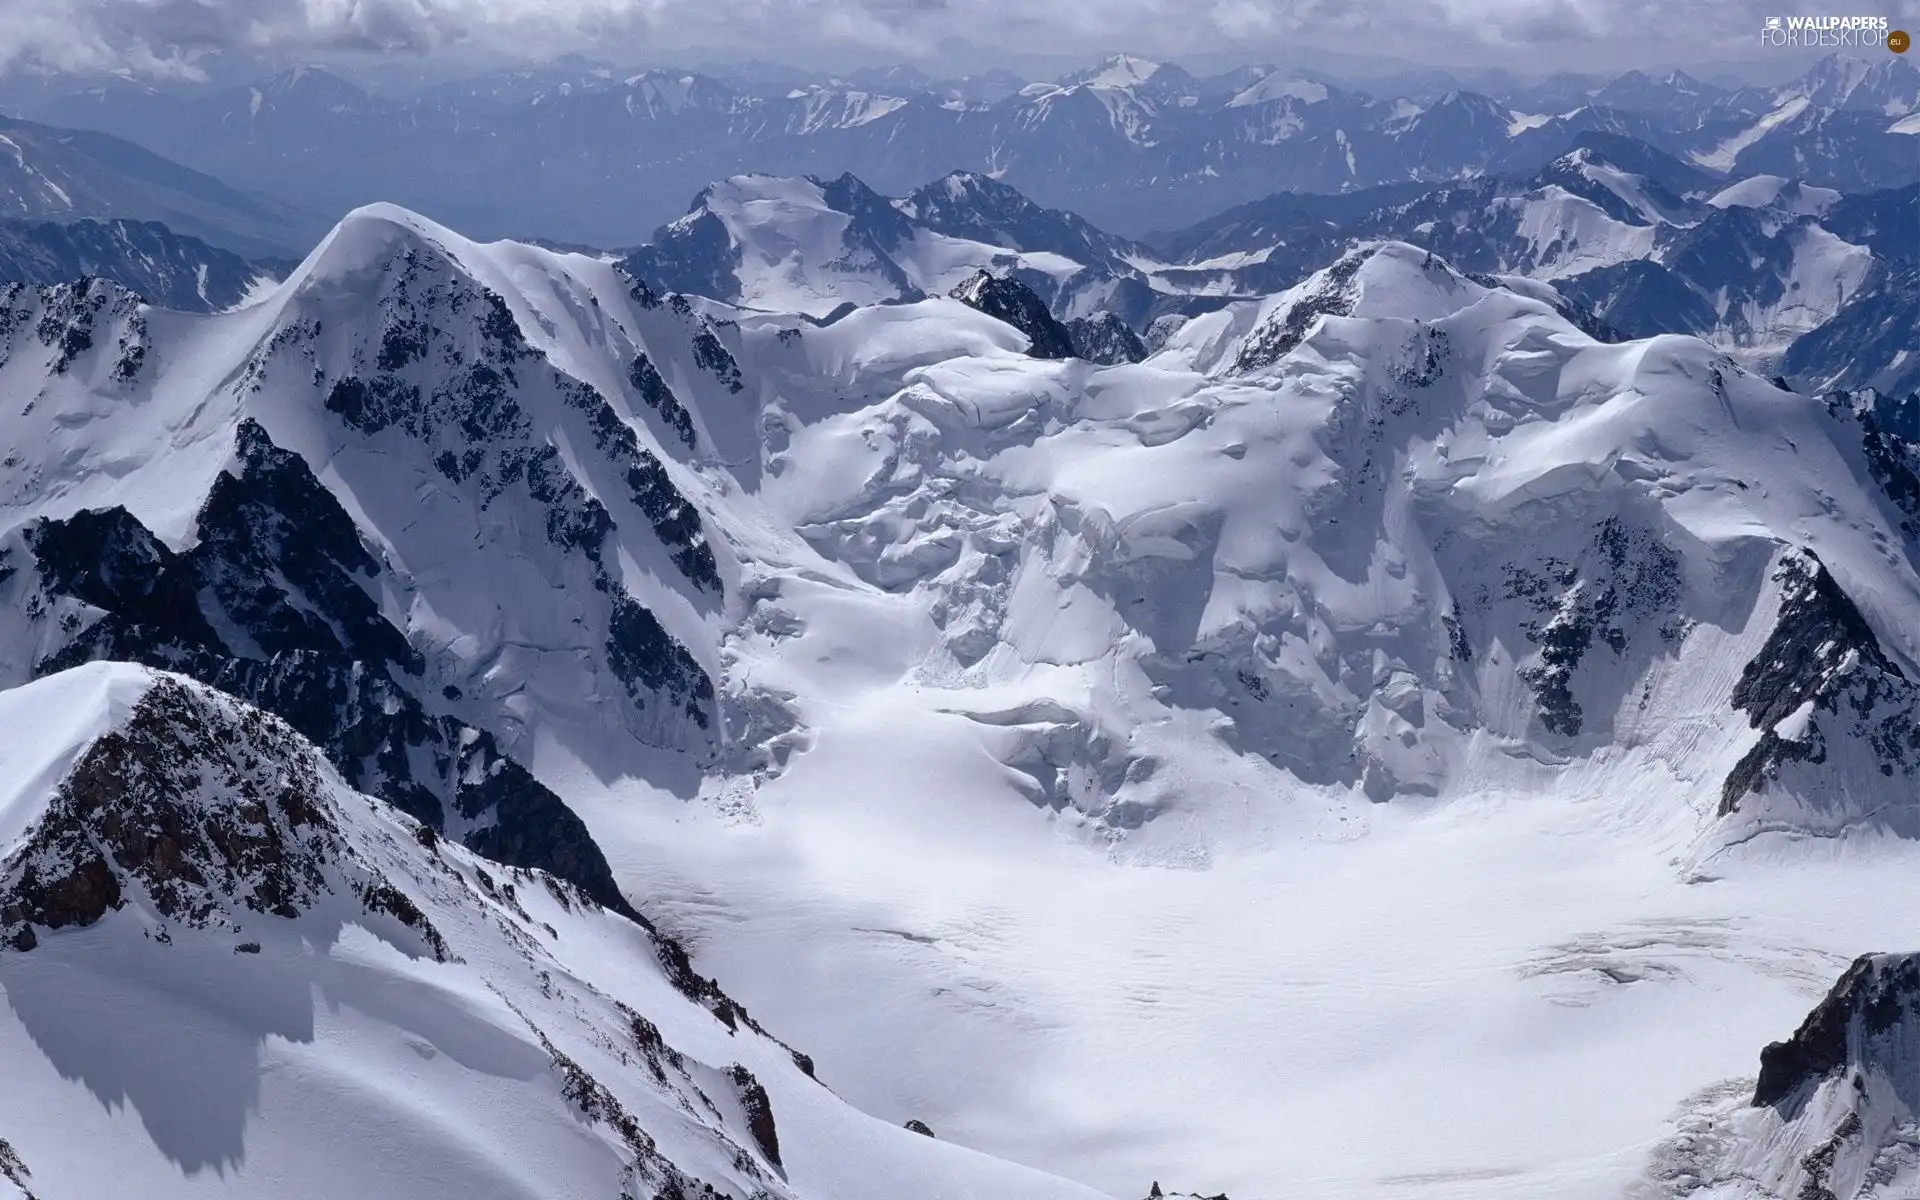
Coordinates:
x,y
1009,300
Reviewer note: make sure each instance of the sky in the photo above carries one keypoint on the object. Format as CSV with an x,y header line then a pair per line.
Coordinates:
x,y
164,37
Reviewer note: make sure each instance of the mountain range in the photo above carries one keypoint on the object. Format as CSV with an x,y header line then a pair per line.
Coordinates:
x,y
145,257
481,635
592,155
72,174
1404,685
1618,234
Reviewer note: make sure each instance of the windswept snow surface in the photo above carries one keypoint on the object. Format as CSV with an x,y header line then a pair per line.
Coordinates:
x,y
1567,234
481,1043
1762,191
1302,764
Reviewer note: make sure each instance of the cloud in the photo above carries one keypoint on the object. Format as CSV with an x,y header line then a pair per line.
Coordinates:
x,y
165,36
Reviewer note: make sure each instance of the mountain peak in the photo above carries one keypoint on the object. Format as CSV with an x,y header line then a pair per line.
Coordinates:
x,y
1385,279
1119,71
198,858
980,194
367,238
1015,303
1878,995
178,798
1280,85
1888,83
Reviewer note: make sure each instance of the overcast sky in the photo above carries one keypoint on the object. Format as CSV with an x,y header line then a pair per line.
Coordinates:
x,y
1527,36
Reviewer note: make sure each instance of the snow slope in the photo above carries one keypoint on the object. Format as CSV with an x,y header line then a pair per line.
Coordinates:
x,y
1761,191
270,985
801,245
1722,156
1383,694
1832,1112
1510,584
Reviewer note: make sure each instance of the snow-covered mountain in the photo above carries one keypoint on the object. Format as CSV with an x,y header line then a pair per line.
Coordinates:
x,y
811,246
1644,242
1869,342
1674,94
228,973
597,156
333,584
1614,223
144,257
1565,207
67,175
1834,1111
964,704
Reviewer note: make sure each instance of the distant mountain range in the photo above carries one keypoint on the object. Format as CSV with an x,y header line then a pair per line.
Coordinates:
x,y
1808,272
59,174
587,154
1648,243
1621,237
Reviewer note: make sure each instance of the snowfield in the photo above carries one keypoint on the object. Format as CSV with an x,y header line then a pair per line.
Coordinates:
x,y
1388,743
472,1031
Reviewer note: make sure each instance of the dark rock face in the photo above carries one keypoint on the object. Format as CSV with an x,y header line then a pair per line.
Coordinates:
x,y
1641,298
208,808
1015,303
72,318
13,1169
1627,576
759,1109
1105,339
283,567
1889,431
468,402
1866,342
647,659
693,254
1821,653
1877,999
144,257
649,1173
920,1127
470,406
654,391
674,519
712,355
270,533
874,216
984,209
1274,338
106,559
530,825
1596,617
